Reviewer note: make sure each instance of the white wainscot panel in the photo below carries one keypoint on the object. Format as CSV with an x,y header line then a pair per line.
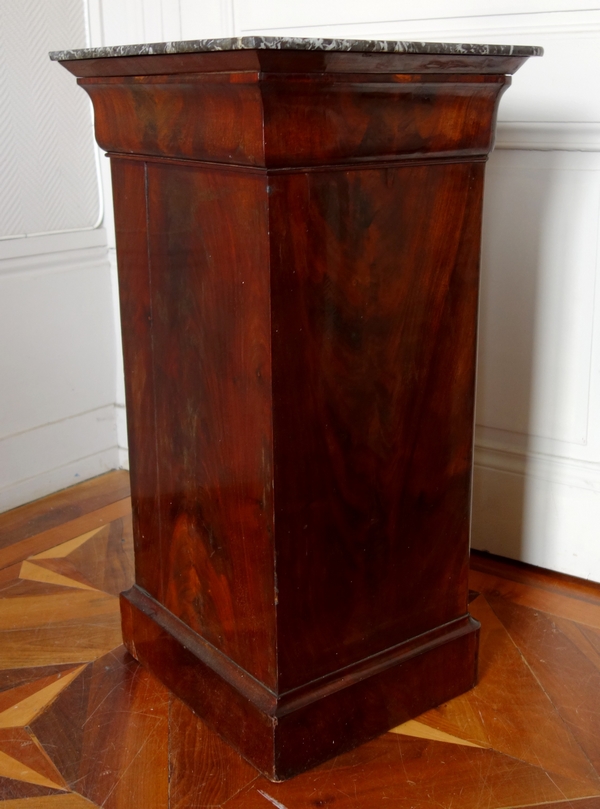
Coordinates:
x,y
51,457
56,326
121,22
537,300
57,397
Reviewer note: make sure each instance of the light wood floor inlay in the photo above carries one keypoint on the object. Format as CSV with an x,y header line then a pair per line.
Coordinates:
x,y
83,725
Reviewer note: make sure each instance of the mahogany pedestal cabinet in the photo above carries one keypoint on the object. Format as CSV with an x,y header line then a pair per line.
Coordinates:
x,y
298,236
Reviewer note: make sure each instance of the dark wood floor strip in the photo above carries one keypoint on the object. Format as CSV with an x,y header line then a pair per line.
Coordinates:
x,y
64,506
118,739
535,576
37,543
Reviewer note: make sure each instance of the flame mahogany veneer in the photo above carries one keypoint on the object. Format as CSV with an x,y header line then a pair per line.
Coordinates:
x,y
298,241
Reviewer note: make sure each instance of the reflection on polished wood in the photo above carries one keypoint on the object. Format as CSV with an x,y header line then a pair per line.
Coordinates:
x,y
83,725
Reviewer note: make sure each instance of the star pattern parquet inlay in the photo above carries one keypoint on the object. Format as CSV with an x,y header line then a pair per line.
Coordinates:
x,y
83,725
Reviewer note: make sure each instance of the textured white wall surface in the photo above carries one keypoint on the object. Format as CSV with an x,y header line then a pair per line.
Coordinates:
x,y
47,167
57,322
537,474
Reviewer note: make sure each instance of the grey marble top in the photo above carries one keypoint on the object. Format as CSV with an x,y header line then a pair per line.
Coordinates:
x,y
296,44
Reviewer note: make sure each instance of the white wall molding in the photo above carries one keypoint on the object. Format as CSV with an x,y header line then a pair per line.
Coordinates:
x,y
537,510
448,29
121,412
548,136
57,398
270,14
122,439
228,21
57,328
23,246
446,26
552,468
63,261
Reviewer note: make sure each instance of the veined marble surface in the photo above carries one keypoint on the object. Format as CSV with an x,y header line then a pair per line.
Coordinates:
x,y
296,44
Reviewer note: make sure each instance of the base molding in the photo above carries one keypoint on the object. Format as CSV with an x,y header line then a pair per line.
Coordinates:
x,y
538,509
283,735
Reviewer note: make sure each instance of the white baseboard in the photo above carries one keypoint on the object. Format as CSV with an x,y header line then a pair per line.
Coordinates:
x,y
121,413
122,439
538,509
56,479
51,457
123,458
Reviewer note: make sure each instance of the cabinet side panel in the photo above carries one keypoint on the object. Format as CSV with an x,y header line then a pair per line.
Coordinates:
x,y
129,192
375,285
212,367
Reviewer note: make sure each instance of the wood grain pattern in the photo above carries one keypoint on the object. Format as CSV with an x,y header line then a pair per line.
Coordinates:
x,y
129,191
582,610
533,576
312,120
298,239
125,703
373,462
361,119
107,562
70,627
66,548
25,708
414,774
576,803
330,715
22,790
56,509
15,588
13,678
12,768
9,575
37,543
507,710
569,676
53,571
61,728
211,356
419,730
114,737
592,636
71,801
204,770
22,758
33,612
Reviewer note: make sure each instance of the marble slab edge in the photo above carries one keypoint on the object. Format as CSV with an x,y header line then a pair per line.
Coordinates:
x,y
295,44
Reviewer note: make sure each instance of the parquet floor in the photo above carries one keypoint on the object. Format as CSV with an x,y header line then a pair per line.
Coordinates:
x,y
83,725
